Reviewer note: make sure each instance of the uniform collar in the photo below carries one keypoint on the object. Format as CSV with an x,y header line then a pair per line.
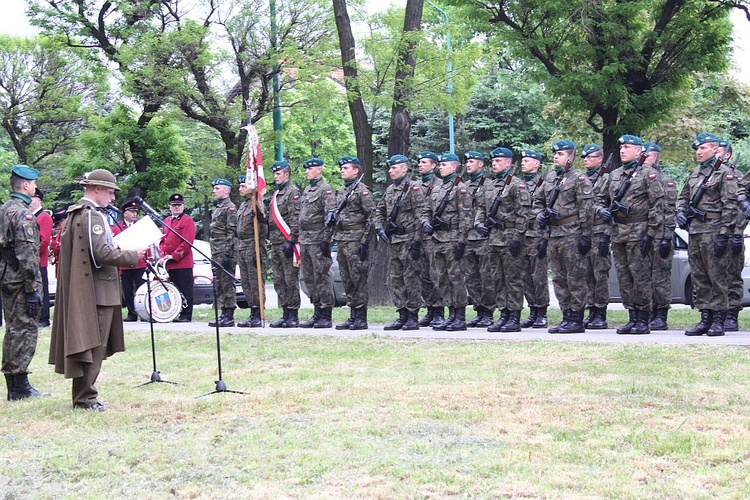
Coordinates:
x,y
21,196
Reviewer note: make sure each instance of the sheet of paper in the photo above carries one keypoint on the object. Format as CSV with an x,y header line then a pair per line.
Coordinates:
x,y
140,235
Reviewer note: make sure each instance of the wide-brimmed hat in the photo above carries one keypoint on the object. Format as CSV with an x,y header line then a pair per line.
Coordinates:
x,y
99,177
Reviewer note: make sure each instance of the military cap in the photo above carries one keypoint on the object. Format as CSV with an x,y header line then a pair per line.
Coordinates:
x,y
220,181
630,139
723,143
99,177
130,205
652,147
530,153
396,159
473,155
25,172
590,148
241,178
501,153
348,159
429,155
313,162
176,199
703,139
279,165
448,157
38,193
564,145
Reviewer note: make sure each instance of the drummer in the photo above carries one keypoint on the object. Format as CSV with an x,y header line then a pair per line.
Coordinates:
x,y
178,252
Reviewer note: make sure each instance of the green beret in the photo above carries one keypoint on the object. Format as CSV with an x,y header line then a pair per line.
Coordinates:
x,y
473,155
396,159
449,157
348,159
220,181
279,165
652,147
429,155
630,139
590,148
25,172
703,139
313,162
564,145
723,143
241,178
530,153
501,153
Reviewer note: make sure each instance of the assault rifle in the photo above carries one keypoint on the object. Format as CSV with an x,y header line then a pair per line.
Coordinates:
x,y
549,210
491,220
605,168
693,212
390,225
335,215
437,222
617,205
476,190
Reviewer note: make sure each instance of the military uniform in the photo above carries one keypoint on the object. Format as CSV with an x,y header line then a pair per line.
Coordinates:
x,y
283,234
661,266
709,238
735,284
246,257
21,287
223,246
428,184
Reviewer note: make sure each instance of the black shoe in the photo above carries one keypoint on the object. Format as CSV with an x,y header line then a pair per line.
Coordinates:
x,y
563,323
438,316
20,388
346,324
531,319
400,322
541,318
412,321
513,324
640,327
702,327
599,321
574,324
253,321
592,314
459,320
279,323
625,329
731,324
360,319
497,327
91,406
660,320
717,325
427,317
292,320
130,318
325,318
43,323
311,322
474,323
442,325
181,319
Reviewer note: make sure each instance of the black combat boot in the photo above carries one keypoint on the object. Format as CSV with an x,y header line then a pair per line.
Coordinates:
x,y
599,321
541,318
660,319
219,319
717,324
438,316
625,329
459,320
292,320
10,381
228,318
346,324
360,319
487,319
412,320
253,321
311,322
533,312
325,318
593,310
702,327
563,323
279,323
513,324
427,317
475,322
640,326
574,324
497,327
400,322
447,321
22,389
731,324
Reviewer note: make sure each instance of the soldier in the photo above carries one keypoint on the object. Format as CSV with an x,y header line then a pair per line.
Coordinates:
x,y
351,229
536,288
178,253
315,239
564,203
599,260
132,277
661,266
396,222
427,163
638,220
446,218
21,282
223,229
503,215
283,234
478,284
709,233
246,256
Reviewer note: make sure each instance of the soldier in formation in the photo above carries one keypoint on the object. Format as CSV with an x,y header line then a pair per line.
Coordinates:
x,y
223,230
251,219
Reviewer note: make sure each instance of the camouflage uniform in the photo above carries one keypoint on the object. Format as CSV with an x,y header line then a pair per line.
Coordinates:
x,y
599,265
478,284
246,258
505,244
223,229
736,292
428,184
286,199
535,281
661,266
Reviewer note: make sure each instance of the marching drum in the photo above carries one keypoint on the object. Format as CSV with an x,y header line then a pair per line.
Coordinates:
x,y
166,301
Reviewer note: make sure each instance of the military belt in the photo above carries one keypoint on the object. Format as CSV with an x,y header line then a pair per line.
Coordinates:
x,y
502,225
309,226
447,227
713,215
562,222
631,220
351,227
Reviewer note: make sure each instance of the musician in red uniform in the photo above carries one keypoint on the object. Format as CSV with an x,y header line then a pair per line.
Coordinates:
x,y
180,261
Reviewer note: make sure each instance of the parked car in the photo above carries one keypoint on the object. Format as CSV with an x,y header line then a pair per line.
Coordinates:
x,y
339,295
203,277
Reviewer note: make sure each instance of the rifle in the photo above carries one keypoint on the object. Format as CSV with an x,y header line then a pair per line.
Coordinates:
x,y
605,168
549,210
617,205
390,225
335,215
693,212
491,220
476,190
437,222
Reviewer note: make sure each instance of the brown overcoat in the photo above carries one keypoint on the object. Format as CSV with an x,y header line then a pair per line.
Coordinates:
x,y
87,278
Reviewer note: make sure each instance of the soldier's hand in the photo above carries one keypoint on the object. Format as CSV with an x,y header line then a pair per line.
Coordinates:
x,y
482,229
681,219
736,244
383,235
722,243
427,228
745,207
541,248
142,252
226,262
541,220
332,219
287,249
325,249
458,250
604,214
603,246
647,245
415,250
515,248
665,246
33,303
363,252
584,245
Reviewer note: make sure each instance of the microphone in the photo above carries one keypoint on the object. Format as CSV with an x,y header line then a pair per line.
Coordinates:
x,y
146,208
114,208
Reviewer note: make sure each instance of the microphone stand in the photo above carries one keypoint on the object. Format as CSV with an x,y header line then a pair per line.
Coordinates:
x,y
220,385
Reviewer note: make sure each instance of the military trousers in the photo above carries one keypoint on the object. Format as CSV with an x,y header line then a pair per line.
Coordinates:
x,y
569,271
661,278
315,268
535,282
503,270
285,278
226,292
735,290
709,273
246,259
404,277
634,275
479,284
598,275
353,273
21,330
426,284
448,276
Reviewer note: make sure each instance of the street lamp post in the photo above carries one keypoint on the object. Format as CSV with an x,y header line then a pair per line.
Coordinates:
x,y
450,75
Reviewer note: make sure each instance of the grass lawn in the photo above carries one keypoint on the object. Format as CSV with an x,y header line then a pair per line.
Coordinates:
x,y
383,417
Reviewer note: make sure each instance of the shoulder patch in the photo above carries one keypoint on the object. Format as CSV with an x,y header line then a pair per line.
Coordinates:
x,y
97,229
522,186
670,184
581,177
415,188
730,177
29,216
329,192
463,191
652,176
365,193
232,209
296,197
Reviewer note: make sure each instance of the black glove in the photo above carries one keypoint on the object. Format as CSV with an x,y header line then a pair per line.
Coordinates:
x,y
427,228
332,219
647,245
33,303
515,248
584,245
681,219
325,249
541,248
541,220
288,249
226,262
665,246
363,252
415,250
604,214
745,207
736,244
482,229
603,247
383,235
722,243
458,250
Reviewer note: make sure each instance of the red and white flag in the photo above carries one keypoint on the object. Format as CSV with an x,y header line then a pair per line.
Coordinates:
x,y
254,177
